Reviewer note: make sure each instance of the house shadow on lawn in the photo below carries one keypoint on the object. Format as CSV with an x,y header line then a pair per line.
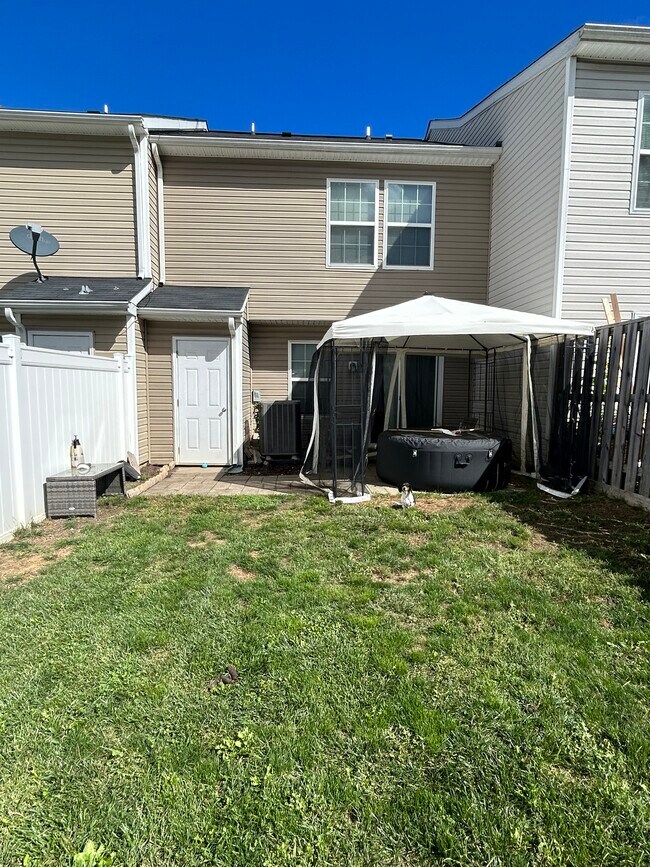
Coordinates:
x,y
609,530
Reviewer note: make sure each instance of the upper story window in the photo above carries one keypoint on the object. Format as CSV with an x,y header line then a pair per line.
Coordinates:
x,y
409,218
641,193
352,224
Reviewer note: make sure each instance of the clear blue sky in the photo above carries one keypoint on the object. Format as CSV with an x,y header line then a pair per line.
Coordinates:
x,y
308,67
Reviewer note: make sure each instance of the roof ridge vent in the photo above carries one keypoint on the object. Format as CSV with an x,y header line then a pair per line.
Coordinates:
x,y
389,135
287,134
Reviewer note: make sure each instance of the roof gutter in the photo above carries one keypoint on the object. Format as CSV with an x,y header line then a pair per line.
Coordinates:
x,y
179,315
101,307
31,120
362,151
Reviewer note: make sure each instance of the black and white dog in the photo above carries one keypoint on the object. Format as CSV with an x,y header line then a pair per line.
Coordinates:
x,y
406,498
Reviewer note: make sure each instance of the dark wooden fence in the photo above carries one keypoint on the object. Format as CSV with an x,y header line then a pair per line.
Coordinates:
x,y
601,420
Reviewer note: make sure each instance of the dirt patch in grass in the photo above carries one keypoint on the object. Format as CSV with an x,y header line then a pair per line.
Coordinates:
x,y
33,548
240,574
20,567
254,521
443,504
394,577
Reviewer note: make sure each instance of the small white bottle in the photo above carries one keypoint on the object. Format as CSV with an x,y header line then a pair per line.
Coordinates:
x,y
76,453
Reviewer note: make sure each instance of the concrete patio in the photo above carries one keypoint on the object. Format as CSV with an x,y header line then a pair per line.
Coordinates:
x,y
215,482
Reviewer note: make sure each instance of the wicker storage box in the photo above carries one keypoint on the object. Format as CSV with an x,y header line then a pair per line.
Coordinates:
x,y
71,493
72,497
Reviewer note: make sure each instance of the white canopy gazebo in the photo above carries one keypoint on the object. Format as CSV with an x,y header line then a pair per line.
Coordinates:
x,y
443,327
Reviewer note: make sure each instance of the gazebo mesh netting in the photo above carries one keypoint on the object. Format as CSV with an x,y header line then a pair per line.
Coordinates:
x,y
357,393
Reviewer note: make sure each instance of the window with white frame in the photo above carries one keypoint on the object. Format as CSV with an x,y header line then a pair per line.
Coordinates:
x,y
300,356
642,167
409,220
352,223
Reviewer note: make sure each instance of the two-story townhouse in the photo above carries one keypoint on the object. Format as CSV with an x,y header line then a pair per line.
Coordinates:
x,y
217,260
570,218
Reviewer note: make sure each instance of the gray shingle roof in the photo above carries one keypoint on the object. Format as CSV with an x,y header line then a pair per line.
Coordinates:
x,y
227,299
102,289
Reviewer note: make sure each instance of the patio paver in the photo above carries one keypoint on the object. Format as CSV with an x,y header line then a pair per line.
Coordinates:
x,y
215,482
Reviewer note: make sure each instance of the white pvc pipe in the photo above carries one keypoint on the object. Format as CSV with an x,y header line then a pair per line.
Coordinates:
x,y
160,198
16,321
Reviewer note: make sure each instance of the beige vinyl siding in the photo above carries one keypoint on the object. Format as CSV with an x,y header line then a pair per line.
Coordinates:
x,y
109,332
270,355
142,390
153,217
526,188
607,248
78,188
263,224
160,381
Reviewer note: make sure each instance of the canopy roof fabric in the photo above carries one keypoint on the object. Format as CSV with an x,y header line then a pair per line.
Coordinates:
x,y
445,325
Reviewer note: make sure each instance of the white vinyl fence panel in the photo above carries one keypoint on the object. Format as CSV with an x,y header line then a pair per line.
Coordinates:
x,y
49,397
7,472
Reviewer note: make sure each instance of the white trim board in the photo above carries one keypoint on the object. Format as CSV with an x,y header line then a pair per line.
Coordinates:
x,y
643,212
601,42
565,179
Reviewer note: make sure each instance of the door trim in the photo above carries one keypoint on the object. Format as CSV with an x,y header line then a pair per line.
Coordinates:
x,y
175,391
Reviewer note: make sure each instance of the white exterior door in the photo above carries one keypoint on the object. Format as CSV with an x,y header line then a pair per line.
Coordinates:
x,y
202,401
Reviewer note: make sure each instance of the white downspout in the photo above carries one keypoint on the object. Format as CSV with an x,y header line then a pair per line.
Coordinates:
x,y
161,213
17,323
236,386
141,177
132,437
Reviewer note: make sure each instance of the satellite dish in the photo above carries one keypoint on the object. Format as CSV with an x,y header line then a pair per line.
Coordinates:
x,y
35,241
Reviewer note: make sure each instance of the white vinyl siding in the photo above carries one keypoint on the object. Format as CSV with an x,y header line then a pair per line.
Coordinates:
x,y
409,213
607,242
352,209
525,190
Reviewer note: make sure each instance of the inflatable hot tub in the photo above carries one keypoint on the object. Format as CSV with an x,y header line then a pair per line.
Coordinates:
x,y
439,460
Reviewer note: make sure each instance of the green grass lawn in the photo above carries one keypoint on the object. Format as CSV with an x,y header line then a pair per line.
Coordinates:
x,y
466,683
